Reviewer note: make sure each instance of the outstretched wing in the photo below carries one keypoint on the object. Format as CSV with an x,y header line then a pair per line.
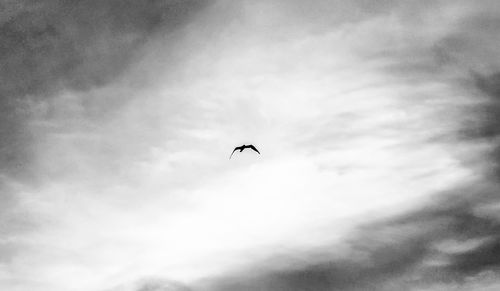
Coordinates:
x,y
235,149
253,148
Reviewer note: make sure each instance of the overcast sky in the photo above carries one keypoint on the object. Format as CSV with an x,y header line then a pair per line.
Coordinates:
x,y
378,124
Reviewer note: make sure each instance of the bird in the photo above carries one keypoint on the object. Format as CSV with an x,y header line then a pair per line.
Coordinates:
x,y
241,148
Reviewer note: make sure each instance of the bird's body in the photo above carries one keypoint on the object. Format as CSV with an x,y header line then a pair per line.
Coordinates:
x,y
241,148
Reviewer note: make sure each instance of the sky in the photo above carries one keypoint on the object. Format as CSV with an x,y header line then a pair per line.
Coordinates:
x,y
378,124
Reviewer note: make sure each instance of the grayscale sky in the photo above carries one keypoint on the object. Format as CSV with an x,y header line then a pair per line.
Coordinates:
x,y
378,124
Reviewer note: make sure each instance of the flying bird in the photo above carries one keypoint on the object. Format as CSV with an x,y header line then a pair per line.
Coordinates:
x,y
241,148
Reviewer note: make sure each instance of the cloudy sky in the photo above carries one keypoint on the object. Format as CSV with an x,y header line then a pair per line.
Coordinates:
x,y
378,124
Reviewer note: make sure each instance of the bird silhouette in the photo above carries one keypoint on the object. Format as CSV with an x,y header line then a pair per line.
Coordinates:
x,y
241,148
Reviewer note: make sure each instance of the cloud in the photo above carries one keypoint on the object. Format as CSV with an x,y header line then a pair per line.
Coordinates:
x,y
55,46
485,129
79,45
152,284
450,243
50,46
374,135
446,243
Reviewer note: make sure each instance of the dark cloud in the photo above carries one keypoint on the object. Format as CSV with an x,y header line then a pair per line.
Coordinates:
x,y
465,59
473,262
475,47
484,123
391,254
46,46
161,285
154,284
387,262
489,84
489,112
79,44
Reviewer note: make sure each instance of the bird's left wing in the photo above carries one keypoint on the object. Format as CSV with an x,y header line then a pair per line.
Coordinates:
x,y
253,148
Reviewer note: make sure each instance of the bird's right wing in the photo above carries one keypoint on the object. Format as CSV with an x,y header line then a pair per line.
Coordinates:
x,y
233,152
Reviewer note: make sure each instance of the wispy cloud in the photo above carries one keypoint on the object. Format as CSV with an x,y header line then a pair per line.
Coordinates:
x,y
376,125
